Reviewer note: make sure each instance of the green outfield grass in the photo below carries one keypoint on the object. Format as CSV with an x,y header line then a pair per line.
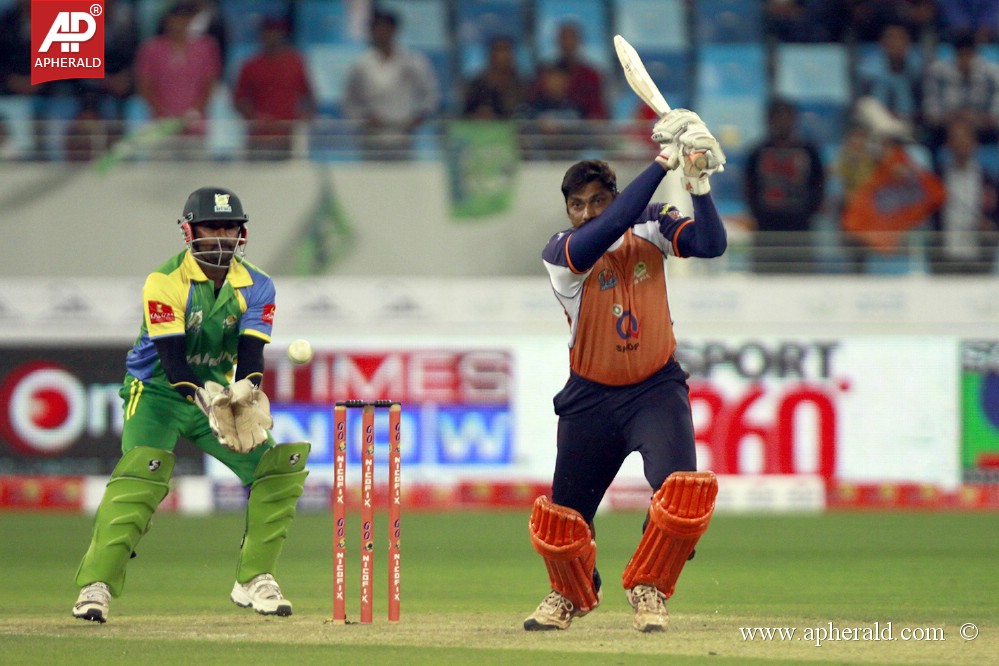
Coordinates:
x,y
469,579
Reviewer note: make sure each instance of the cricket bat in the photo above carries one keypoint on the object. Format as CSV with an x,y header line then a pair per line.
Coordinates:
x,y
643,85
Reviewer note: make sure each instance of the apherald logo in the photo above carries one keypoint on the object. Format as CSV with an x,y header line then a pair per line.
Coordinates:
x,y
67,40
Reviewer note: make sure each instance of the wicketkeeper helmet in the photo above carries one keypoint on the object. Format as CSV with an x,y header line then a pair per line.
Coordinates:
x,y
211,204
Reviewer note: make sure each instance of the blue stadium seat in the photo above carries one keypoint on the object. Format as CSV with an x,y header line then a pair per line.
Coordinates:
x,y
148,14
325,22
226,131
652,24
478,21
739,121
590,15
671,71
732,69
237,55
813,72
728,21
57,112
824,122
17,112
328,66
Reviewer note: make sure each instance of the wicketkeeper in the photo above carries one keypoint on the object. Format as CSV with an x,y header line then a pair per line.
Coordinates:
x,y
194,372
626,392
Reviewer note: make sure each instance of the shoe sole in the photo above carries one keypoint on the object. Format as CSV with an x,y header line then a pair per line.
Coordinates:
x,y
280,611
652,629
534,625
93,615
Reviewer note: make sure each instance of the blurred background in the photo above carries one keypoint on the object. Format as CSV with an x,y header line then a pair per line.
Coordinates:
x,y
844,351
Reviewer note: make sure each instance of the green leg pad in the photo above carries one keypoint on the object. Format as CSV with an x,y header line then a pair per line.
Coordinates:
x,y
279,481
138,484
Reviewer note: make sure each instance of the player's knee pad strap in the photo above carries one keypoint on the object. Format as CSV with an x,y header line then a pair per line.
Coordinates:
x,y
679,514
562,537
138,484
278,483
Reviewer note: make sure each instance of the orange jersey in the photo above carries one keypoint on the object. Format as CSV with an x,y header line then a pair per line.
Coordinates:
x,y
621,331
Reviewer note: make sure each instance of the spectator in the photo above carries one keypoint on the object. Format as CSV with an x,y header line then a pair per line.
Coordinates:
x,y
854,164
784,187
898,195
391,90
89,135
869,18
121,42
498,91
965,231
979,18
894,75
273,92
176,72
805,20
585,83
208,21
553,124
967,85
15,49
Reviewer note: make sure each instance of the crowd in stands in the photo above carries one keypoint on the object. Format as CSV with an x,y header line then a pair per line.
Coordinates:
x,y
893,132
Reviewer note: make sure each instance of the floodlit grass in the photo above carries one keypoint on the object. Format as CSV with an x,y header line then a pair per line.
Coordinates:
x,y
469,579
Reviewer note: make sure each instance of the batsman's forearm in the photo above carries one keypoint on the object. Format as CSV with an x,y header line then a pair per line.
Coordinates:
x,y
173,358
591,240
706,236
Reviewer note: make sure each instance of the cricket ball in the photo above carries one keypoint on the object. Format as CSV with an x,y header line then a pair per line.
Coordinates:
x,y
300,352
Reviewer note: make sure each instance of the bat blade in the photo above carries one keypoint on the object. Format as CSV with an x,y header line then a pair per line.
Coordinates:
x,y
638,77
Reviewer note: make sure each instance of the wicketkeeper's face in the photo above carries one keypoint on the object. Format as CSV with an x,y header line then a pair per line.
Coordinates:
x,y
587,202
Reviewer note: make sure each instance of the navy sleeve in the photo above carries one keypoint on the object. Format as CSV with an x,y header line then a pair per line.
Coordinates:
x,y
173,357
705,237
587,243
250,359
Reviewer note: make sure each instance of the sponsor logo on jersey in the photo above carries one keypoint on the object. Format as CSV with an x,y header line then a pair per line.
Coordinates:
x,y
230,321
195,319
607,280
268,315
160,313
641,272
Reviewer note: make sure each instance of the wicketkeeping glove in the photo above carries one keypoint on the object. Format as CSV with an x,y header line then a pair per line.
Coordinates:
x,y
238,415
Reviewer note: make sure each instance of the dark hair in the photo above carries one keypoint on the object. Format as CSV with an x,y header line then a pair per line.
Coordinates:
x,y
580,174
383,16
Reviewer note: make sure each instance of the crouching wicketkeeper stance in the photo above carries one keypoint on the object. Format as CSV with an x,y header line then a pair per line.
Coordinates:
x,y
207,315
626,392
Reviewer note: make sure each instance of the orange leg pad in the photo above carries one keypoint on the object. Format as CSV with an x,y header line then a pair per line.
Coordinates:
x,y
562,537
679,514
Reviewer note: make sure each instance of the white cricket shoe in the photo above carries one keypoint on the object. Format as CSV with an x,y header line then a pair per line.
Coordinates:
x,y
555,612
650,608
262,594
93,603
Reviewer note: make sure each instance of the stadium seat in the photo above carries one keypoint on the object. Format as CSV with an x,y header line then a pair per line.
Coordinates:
x,y
17,113
652,24
822,121
328,66
671,71
226,130
739,121
732,69
813,72
590,15
478,21
57,113
325,22
728,21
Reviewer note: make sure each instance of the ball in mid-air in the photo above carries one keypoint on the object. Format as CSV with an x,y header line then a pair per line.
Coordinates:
x,y
300,352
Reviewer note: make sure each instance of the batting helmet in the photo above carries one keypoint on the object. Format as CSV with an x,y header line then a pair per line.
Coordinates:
x,y
213,203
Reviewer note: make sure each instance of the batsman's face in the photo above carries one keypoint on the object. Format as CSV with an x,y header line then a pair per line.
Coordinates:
x,y
215,241
587,202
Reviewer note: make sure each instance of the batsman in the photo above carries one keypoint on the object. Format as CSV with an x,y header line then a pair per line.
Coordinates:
x,y
194,372
626,392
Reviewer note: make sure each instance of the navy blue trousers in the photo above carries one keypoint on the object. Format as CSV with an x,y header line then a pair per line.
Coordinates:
x,y
599,426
